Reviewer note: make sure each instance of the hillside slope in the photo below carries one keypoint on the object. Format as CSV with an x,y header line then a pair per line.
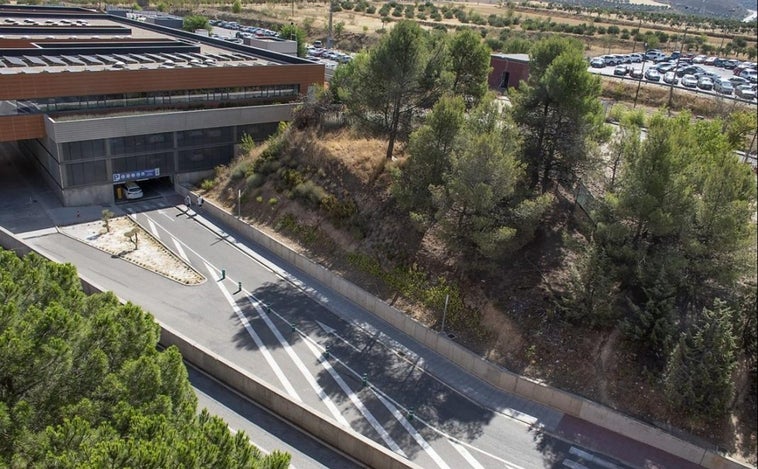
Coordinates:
x,y
328,193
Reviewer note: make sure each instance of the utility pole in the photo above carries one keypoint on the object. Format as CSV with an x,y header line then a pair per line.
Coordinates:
x,y
329,37
676,69
639,31
639,84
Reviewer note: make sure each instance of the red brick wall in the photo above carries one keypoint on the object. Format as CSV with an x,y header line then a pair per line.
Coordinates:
x,y
517,72
21,127
46,85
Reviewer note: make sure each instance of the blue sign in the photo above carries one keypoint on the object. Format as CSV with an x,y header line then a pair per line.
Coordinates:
x,y
135,175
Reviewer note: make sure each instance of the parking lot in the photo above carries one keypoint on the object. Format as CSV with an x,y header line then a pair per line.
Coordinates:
x,y
694,77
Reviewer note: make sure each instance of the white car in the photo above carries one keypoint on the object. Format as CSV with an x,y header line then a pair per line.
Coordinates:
x,y
745,92
705,83
690,81
132,190
653,75
670,77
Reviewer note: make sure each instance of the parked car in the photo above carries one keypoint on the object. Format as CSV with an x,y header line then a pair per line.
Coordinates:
x,y
745,92
620,70
689,70
636,73
610,60
750,74
723,86
705,83
740,68
665,67
654,55
636,58
597,62
698,59
730,64
710,60
132,190
670,78
653,75
689,81
738,81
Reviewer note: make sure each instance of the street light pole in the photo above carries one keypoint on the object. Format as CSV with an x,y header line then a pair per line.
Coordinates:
x,y
444,314
239,202
329,37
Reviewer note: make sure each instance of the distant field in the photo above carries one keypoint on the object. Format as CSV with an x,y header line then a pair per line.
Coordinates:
x,y
648,2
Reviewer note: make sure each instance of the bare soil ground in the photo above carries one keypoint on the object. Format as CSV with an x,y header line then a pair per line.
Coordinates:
x,y
515,300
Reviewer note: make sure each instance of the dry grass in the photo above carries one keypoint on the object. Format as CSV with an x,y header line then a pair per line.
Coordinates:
x,y
364,156
656,96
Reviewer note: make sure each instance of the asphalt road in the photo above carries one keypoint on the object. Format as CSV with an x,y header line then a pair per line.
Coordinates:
x,y
265,430
401,406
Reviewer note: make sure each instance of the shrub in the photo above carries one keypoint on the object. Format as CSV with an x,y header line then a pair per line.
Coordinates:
x,y
255,181
371,9
310,192
208,184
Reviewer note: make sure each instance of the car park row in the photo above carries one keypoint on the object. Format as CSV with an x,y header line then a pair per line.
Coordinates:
x,y
710,74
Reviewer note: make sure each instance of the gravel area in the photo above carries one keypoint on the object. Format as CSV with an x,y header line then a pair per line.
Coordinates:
x,y
149,254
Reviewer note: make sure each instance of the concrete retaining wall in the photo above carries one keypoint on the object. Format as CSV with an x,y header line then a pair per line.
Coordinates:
x,y
357,446
354,444
488,372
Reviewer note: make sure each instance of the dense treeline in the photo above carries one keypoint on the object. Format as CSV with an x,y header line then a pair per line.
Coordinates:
x,y
83,385
670,260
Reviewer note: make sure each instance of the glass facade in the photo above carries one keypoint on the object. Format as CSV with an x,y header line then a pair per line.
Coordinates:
x,y
227,96
205,158
164,161
189,138
259,132
82,150
80,174
141,143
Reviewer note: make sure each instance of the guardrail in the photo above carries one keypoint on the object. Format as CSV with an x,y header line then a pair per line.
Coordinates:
x,y
710,93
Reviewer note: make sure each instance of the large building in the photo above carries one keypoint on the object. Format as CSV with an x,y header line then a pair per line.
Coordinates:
x,y
99,100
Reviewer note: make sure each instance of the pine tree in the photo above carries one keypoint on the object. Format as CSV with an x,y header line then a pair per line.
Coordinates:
x,y
698,377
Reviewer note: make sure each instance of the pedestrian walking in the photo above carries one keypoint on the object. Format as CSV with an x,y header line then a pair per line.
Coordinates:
x,y
200,202
188,201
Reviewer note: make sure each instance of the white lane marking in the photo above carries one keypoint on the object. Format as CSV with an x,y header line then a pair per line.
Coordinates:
x,y
592,458
171,219
356,402
153,229
299,363
333,332
309,341
416,435
180,250
466,455
258,342
320,298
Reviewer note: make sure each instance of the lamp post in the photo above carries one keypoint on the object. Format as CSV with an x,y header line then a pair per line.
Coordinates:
x,y
329,37
444,314
239,202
